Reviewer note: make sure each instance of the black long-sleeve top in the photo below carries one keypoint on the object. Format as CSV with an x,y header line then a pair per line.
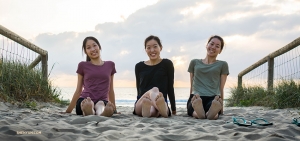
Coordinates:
x,y
160,75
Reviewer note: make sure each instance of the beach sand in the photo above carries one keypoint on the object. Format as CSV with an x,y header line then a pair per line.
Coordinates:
x,y
48,124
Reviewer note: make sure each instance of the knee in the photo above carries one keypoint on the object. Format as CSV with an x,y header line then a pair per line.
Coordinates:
x,y
155,89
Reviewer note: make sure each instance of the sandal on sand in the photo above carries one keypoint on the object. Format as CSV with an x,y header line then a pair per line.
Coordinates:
x,y
243,123
295,121
263,123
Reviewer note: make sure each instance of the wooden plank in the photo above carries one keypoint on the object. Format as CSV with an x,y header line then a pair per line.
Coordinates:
x,y
13,36
35,62
276,53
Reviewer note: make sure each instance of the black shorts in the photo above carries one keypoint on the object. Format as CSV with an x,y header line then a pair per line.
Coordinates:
x,y
78,105
169,114
206,102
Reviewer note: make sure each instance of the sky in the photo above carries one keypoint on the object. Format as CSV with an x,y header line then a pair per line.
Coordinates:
x,y
252,29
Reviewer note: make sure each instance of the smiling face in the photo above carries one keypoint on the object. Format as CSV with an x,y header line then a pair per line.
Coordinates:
x,y
92,49
213,47
153,49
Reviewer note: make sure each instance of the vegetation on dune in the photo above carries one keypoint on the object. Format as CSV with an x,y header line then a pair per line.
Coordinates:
x,y
285,94
19,84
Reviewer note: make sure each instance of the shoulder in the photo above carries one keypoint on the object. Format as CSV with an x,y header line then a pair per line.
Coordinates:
x,y
82,63
223,62
195,61
167,61
110,62
139,64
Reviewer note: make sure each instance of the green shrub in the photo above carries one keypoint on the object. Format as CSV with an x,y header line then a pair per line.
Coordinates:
x,y
18,83
286,94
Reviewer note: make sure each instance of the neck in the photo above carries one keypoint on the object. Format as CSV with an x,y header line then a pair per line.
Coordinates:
x,y
96,61
154,62
209,60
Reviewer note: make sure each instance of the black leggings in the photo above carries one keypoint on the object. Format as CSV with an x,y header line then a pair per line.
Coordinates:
x,y
206,102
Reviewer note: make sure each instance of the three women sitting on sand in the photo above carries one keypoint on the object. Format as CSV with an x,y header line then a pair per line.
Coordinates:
x,y
154,82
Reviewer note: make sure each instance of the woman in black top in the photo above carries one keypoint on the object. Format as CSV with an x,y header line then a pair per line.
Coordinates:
x,y
154,82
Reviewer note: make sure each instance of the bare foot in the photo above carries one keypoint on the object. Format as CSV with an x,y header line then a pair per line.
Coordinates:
x,y
108,110
146,105
198,107
87,107
161,105
214,109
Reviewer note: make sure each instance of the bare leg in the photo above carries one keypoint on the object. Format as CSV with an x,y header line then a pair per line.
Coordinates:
x,y
87,107
198,107
214,109
99,107
157,103
139,104
161,105
154,112
108,110
144,102
146,106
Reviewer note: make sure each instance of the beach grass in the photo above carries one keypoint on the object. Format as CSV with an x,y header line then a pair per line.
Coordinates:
x,y
285,94
26,87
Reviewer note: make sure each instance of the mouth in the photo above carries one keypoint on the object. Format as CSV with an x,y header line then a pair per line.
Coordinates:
x,y
211,51
152,54
94,53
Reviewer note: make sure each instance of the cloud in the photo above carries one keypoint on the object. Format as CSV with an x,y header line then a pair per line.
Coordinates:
x,y
251,31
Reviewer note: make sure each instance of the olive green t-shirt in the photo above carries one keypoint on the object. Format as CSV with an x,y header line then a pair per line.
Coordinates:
x,y
207,77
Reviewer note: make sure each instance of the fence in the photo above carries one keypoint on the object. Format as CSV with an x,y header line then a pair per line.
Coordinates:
x,y
284,63
15,48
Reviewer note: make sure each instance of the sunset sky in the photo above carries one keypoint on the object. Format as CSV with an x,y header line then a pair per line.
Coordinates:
x,y
251,29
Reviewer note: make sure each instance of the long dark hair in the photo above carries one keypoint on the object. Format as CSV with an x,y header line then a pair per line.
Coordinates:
x,y
84,45
152,37
218,37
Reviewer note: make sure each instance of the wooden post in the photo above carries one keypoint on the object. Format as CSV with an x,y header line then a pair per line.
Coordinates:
x,y
45,66
270,73
240,81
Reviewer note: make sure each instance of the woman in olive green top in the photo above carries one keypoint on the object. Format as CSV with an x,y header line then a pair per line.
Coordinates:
x,y
208,77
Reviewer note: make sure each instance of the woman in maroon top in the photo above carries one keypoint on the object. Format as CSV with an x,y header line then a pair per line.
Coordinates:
x,y
94,93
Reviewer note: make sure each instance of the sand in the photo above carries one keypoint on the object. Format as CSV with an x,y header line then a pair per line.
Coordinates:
x,y
49,124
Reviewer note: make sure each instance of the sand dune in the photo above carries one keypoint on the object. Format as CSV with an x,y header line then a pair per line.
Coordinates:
x,y
49,124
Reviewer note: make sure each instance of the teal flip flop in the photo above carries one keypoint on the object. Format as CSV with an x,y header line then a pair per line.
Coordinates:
x,y
243,123
295,121
263,123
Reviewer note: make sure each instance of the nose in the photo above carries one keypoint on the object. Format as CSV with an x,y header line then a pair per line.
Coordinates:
x,y
214,47
152,49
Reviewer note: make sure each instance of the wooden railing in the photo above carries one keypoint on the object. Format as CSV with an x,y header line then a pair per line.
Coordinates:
x,y
43,54
270,59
